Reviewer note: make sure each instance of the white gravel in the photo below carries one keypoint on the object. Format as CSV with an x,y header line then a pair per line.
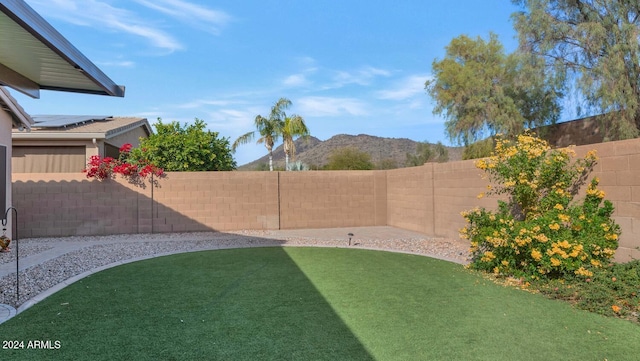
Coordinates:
x,y
89,253
25,251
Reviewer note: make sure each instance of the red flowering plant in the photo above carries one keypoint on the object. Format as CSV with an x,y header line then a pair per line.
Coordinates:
x,y
135,170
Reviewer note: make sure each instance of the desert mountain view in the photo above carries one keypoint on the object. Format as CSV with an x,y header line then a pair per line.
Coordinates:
x,y
315,153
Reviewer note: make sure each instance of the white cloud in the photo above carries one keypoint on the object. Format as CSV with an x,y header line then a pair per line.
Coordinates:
x,y
231,122
363,76
406,88
307,62
211,20
295,80
302,77
330,106
158,38
99,14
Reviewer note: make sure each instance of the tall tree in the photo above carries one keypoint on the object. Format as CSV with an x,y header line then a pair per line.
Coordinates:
x,y
292,126
185,147
277,125
426,152
593,45
267,128
479,89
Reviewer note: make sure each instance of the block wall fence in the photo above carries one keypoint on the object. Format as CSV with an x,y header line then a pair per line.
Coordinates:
x,y
426,199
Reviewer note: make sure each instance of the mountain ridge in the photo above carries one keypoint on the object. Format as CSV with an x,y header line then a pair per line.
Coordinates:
x,y
315,153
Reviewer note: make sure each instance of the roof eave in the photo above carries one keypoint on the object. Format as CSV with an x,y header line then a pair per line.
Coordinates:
x,y
142,123
32,22
55,136
19,115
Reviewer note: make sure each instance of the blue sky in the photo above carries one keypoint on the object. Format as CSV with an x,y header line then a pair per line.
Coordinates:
x,y
348,66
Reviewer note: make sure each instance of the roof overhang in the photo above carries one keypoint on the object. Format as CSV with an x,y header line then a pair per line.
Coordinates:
x,y
57,136
78,127
20,118
34,56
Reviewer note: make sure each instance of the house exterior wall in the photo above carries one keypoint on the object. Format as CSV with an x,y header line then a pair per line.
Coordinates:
x,y
38,159
132,137
5,140
51,161
427,199
48,156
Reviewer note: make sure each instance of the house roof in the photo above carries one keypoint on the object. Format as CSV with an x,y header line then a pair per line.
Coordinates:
x,y
49,127
8,103
34,56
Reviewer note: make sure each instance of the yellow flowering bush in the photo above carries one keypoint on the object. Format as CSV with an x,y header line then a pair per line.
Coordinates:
x,y
540,232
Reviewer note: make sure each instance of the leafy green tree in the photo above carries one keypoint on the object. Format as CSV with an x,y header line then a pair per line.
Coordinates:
x,y
185,147
593,46
277,125
479,89
426,152
480,149
349,158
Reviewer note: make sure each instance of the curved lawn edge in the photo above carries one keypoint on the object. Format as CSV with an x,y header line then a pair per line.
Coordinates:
x,y
324,303
48,292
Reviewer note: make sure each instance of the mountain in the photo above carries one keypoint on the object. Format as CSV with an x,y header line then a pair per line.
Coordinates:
x,y
315,153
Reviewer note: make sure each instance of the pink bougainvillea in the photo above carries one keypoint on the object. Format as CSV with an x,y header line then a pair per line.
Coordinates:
x,y
106,167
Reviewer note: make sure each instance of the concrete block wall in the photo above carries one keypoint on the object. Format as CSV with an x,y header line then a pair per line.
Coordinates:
x,y
410,201
456,185
200,201
618,170
426,199
67,204
456,188
325,199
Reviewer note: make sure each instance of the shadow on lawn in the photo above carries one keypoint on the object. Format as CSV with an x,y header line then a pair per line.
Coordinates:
x,y
234,304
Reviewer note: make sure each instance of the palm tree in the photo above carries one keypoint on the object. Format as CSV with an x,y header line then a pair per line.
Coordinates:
x,y
292,126
268,135
277,125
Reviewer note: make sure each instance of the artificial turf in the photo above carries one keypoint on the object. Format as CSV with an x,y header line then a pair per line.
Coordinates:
x,y
309,304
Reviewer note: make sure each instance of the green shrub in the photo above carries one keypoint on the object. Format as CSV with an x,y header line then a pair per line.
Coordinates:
x,y
479,149
613,290
349,158
540,232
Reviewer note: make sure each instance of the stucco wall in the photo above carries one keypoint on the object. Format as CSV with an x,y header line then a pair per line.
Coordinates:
x,y
5,140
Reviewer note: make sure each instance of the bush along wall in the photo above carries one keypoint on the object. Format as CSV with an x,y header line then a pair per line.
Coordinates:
x,y
541,231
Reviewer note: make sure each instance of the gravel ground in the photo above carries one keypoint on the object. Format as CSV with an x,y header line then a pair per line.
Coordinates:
x,y
25,251
88,253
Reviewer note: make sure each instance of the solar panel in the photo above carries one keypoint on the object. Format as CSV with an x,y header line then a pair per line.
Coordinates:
x,y
63,121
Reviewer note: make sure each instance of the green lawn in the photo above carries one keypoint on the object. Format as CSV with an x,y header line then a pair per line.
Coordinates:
x,y
309,304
